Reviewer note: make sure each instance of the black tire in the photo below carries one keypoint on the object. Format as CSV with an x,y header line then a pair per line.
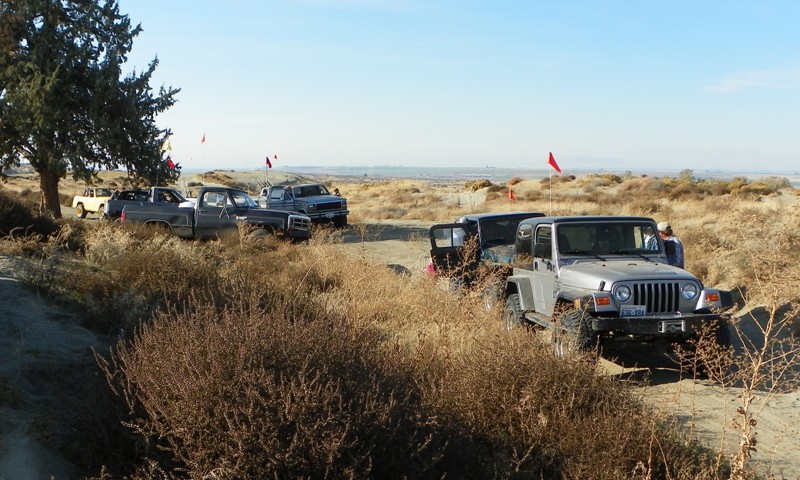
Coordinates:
x,y
340,222
80,212
512,315
261,232
573,335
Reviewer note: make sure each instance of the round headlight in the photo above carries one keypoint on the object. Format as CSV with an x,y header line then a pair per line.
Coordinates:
x,y
622,293
689,291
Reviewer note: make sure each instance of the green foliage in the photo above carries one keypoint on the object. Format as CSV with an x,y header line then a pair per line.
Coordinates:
x,y
65,103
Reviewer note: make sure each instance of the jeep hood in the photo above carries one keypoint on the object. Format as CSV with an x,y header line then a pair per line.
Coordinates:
x,y
589,274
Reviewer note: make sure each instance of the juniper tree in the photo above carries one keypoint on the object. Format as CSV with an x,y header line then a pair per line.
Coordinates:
x,y
65,105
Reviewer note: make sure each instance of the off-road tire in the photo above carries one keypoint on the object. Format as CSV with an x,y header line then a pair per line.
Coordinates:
x,y
80,211
340,222
572,334
512,314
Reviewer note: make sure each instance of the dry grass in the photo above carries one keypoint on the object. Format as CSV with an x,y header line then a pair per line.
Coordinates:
x,y
249,360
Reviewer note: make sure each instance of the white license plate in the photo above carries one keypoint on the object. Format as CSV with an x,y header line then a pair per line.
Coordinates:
x,y
633,311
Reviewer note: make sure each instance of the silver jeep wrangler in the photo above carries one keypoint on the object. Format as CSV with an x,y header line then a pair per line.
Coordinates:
x,y
602,279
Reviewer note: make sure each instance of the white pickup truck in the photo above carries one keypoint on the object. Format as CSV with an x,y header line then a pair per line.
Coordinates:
x,y
93,200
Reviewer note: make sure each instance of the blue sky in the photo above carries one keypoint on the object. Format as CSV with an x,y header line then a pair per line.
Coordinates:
x,y
617,85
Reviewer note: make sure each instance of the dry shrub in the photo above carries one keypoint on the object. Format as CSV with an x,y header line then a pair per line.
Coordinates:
x,y
600,180
475,185
496,188
556,180
313,368
385,212
531,195
248,394
514,181
17,219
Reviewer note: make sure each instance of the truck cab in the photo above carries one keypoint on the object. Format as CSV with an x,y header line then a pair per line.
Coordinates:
x,y
312,199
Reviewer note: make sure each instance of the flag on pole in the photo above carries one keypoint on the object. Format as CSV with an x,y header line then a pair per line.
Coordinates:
x,y
170,163
552,162
511,195
203,138
269,164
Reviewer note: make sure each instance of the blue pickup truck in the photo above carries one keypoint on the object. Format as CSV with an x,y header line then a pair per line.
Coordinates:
x,y
217,210
311,199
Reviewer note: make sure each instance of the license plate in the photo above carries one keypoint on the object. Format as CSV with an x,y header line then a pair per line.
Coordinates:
x,y
328,215
633,311
671,326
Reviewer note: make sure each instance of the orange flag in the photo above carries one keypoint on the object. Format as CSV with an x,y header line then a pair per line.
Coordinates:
x,y
511,194
203,139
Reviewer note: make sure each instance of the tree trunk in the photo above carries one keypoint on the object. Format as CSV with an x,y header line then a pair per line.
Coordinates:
x,y
48,182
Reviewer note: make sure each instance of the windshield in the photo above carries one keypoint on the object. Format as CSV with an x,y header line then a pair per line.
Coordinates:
x,y
607,238
496,231
309,191
242,199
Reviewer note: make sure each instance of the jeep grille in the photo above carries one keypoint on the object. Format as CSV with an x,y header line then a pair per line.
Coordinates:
x,y
659,297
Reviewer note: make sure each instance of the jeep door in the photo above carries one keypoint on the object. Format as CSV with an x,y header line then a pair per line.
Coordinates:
x,y
454,251
544,270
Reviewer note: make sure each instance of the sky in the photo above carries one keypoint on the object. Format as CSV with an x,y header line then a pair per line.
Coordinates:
x,y
613,85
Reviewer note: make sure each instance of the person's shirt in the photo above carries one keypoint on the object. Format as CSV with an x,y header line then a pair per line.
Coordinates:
x,y
650,242
674,249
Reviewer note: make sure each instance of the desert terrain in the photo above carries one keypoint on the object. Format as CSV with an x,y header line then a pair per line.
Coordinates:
x,y
33,331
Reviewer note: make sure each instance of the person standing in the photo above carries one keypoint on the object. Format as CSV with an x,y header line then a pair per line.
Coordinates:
x,y
672,245
650,242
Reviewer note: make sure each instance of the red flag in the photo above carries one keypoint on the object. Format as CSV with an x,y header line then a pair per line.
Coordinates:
x,y
276,156
170,163
511,195
552,162
203,139
269,164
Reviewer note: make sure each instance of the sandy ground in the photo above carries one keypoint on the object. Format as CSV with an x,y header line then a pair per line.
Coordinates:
x,y
37,340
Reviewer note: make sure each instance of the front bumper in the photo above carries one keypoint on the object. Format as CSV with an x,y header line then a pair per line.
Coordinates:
x,y
673,325
325,216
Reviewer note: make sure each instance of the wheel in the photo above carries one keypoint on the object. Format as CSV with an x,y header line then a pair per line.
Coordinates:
x,y
261,232
80,212
573,335
490,295
512,315
340,222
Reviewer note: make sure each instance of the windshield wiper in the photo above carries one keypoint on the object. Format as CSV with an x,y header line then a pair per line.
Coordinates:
x,y
584,252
